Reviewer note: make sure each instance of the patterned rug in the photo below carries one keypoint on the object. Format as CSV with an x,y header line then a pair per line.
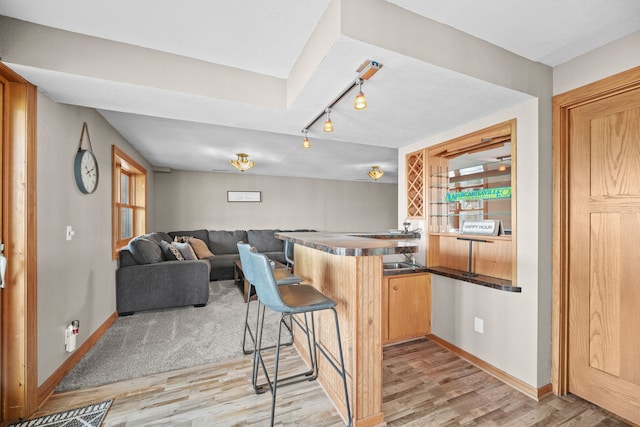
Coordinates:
x,y
87,416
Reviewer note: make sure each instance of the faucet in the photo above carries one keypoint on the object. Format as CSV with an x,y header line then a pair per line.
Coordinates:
x,y
411,258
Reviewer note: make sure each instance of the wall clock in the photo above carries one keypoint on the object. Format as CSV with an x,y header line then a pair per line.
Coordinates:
x,y
85,166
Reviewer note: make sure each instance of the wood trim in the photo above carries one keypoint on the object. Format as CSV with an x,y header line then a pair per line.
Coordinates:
x,y
48,387
19,299
120,160
472,141
562,104
415,190
514,201
438,243
532,392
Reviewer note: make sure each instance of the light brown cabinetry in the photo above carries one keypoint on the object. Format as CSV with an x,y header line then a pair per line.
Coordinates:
x,y
406,307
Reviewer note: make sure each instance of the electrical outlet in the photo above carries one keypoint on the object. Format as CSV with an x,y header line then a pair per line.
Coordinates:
x,y
478,325
70,232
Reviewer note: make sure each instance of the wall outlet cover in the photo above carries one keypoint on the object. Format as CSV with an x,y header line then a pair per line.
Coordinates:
x,y
478,325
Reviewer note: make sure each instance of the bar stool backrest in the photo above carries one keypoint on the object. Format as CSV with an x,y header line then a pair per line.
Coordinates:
x,y
288,252
265,283
245,259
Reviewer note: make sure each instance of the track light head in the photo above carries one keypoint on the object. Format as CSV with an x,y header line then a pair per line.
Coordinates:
x,y
360,102
328,125
305,142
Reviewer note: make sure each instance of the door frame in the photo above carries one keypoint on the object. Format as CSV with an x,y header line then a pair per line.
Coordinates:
x,y
562,105
19,394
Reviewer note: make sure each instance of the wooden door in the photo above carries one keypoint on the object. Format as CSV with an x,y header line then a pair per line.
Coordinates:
x,y
18,230
409,306
604,253
2,240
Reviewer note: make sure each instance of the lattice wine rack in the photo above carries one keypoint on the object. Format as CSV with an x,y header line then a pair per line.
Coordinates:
x,y
415,184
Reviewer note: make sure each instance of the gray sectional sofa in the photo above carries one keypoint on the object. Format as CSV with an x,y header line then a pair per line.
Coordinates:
x,y
149,277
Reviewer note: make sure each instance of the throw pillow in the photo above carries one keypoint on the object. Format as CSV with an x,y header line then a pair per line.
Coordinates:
x,y
170,252
186,250
200,248
182,239
145,251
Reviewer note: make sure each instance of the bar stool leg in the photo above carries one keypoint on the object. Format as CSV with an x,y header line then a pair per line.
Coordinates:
x,y
274,388
308,375
339,369
247,329
257,354
343,372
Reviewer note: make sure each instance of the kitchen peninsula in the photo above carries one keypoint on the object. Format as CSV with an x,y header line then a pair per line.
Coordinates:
x,y
348,269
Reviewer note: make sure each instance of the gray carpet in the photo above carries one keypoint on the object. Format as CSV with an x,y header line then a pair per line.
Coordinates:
x,y
163,340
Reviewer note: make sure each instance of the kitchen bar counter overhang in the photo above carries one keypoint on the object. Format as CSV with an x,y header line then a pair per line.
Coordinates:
x,y
353,244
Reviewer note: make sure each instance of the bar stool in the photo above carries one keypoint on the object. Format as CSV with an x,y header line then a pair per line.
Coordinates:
x,y
284,277
290,300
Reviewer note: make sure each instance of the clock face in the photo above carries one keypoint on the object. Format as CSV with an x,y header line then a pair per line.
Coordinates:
x,y
86,171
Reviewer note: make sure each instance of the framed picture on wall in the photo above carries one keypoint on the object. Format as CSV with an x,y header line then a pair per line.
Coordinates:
x,y
244,196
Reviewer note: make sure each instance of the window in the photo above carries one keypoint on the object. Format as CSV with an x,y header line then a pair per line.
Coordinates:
x,y
129,214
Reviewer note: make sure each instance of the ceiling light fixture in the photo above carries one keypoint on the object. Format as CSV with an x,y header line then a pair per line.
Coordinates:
x,y
503,167
365,71
360,102
328,124
242,163
305,142
375,173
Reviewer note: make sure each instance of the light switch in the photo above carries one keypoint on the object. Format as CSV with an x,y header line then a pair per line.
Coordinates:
x,y
70,232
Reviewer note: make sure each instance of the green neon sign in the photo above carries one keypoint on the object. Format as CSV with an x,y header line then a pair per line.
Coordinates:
x,y
479,194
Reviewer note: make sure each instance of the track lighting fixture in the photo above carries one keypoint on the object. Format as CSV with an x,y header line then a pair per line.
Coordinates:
x,y
360,102
305,142
242,163
328,125
375,173
365,72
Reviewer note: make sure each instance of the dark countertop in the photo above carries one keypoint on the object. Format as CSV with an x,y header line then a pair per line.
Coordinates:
x,y
351,244
488,281
388,235
402,271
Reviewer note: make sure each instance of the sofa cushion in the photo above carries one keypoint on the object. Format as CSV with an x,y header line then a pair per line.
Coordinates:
x,y
170,252
200,248
198,234
224,261
225,242
265,241
158,236
145,251
185,250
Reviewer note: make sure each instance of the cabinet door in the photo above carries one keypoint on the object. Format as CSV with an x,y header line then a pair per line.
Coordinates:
x,y
409,306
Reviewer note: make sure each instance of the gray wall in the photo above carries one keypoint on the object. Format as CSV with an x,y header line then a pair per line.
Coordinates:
x,y
76,278
517,326
615,57
188,200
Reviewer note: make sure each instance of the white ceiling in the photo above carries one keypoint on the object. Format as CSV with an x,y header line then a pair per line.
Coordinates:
x,y
194,129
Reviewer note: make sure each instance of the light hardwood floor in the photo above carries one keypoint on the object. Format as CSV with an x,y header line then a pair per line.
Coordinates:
x,y
424,385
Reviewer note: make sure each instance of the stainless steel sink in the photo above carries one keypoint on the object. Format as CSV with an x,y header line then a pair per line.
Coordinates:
x,y
398,266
